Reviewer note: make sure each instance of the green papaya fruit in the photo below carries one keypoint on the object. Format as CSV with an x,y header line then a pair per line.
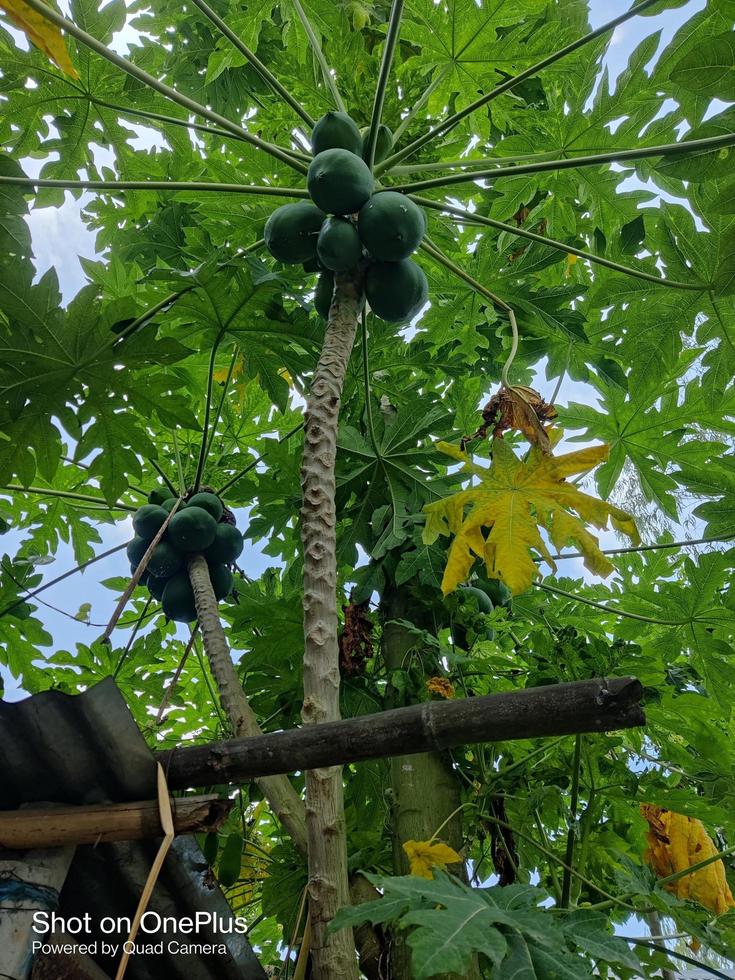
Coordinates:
x,y
158,495
168,504
230,862
156,586
165,560
148,521
335,130
178,599
291,232
207,501
226,547
484,605
339,182
210,847
396,291
136,549
383,144
193,529
324,293
498,591
312,265
143,580
338,245
222,580
390,226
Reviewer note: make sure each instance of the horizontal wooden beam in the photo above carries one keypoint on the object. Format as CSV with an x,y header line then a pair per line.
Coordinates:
x,y
56,826
556,709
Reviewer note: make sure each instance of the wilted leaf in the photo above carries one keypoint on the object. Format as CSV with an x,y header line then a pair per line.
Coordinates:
x,y
42,32
513,500
676,842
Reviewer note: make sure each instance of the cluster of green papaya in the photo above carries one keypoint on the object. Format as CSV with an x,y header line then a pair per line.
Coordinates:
x,y
486,594
348,219
201,525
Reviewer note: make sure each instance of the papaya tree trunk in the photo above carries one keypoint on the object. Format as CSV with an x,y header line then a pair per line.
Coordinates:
x,y
334,955
280,795
277,790
425,792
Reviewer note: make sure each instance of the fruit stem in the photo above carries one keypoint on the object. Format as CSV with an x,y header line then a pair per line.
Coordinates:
x,y
264,71
142,76
510,83
319,55
391,39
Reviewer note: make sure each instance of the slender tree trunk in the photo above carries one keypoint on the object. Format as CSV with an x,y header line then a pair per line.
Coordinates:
x,y
282,798
278,791
333,956
425,790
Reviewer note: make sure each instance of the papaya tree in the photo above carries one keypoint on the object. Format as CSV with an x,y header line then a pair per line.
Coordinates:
x,y
364,275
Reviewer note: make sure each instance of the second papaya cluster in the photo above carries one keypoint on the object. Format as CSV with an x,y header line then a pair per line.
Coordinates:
x,y
349,219
202,526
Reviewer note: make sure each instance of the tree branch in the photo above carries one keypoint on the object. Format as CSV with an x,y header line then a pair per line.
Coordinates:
x,y
433,726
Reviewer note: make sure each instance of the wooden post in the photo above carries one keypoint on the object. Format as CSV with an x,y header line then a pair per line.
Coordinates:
x,y
62,825
601,705
30,881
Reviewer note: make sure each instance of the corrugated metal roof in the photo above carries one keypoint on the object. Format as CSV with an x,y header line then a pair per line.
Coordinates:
x,y
87,748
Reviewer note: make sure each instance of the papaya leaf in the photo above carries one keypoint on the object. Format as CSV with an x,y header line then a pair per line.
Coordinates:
x,y
42,32
513,500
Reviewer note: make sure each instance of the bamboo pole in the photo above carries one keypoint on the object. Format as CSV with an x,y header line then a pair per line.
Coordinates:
x,y
603,705
59,826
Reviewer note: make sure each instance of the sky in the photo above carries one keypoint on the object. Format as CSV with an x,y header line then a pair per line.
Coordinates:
x,y
60,238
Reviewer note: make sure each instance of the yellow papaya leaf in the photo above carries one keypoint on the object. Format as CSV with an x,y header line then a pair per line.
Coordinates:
x,y
675,843
41,32
500,519
571,260
423,855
